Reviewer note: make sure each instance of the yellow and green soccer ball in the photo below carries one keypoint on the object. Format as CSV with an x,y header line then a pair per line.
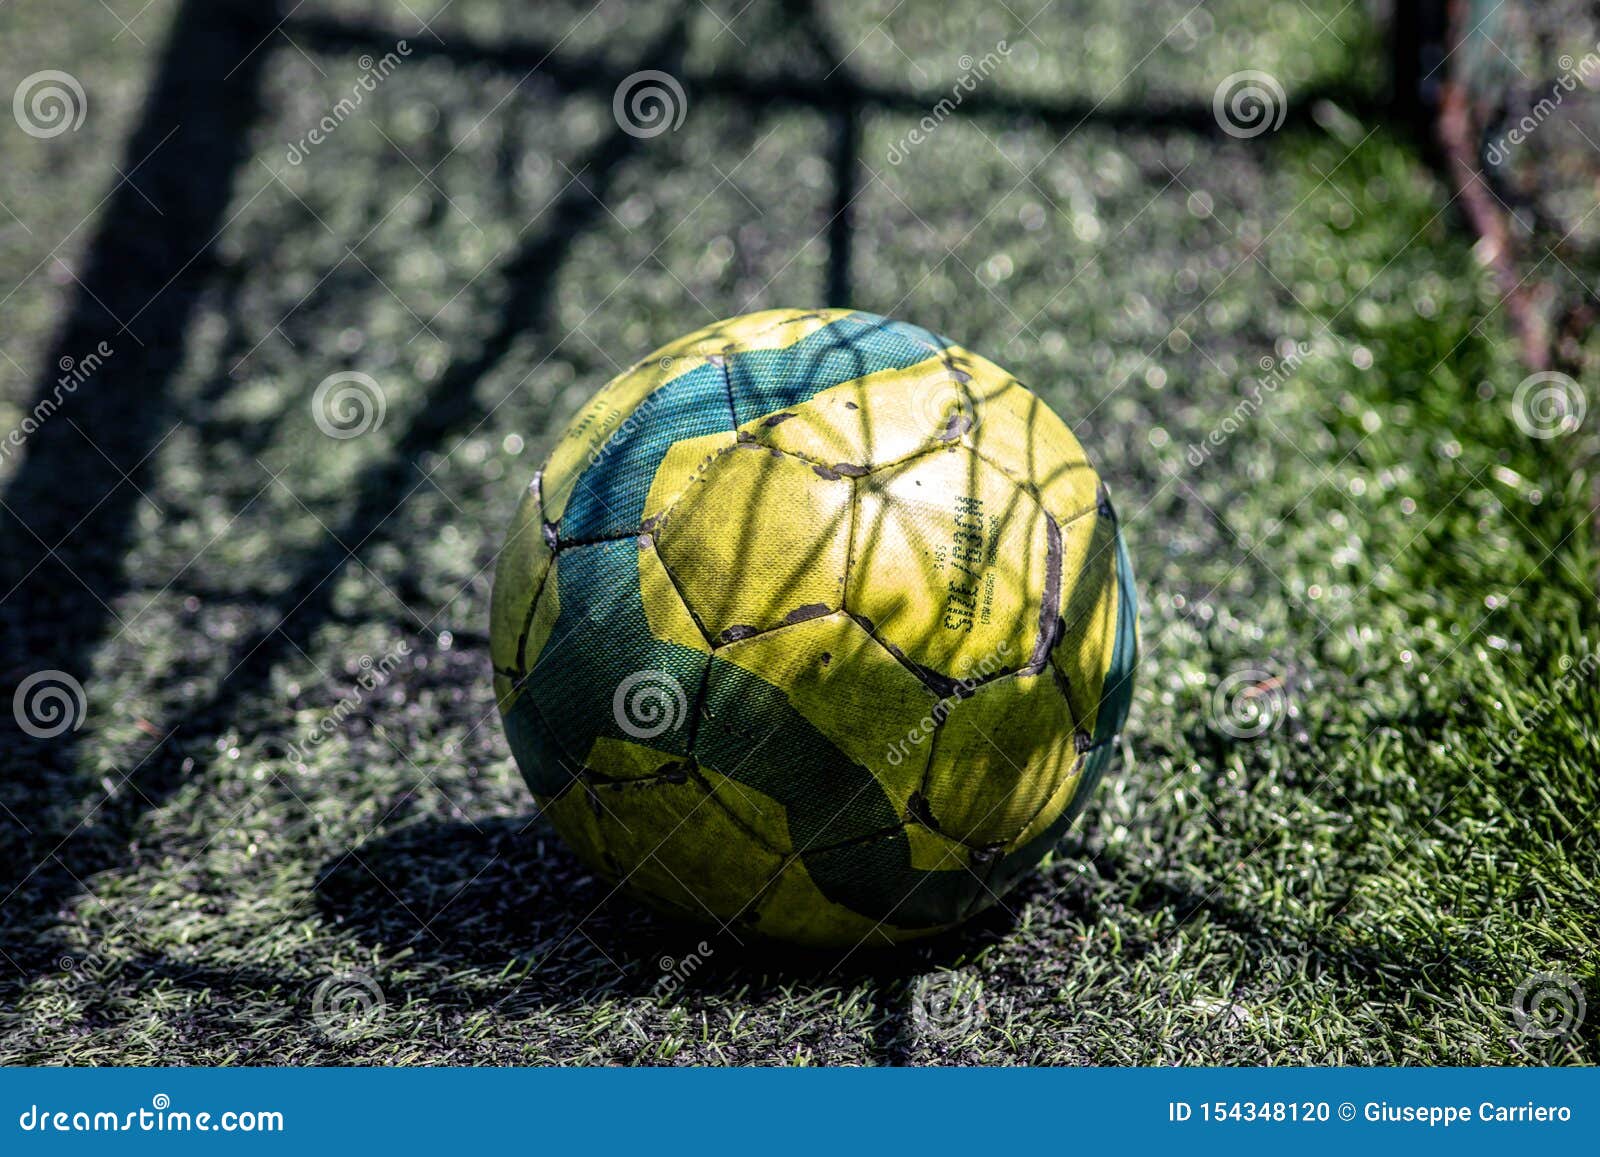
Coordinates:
x,y
814,624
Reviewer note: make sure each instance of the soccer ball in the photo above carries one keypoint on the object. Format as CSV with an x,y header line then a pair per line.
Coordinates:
x,y
814,624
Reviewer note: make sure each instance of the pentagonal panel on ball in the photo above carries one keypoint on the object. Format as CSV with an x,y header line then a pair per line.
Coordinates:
x,y
952,565
1000,756
758,539
877,713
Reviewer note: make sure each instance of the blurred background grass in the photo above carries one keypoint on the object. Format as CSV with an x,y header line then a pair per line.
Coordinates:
x,y
1411,843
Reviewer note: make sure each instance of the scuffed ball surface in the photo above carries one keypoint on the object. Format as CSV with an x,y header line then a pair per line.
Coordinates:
x,y
817,624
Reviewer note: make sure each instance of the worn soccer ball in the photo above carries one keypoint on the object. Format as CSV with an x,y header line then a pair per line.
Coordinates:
x,y
814,624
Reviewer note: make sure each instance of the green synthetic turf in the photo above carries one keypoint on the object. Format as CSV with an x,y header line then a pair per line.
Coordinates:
x,y
1411,577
